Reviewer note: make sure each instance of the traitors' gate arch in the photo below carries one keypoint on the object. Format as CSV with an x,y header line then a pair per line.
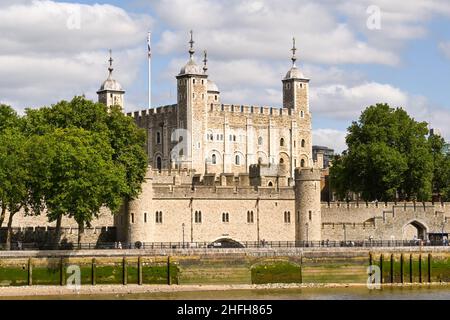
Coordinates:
x,y
415,229
227,242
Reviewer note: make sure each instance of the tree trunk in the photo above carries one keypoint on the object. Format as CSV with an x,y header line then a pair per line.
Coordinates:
x,y
9,232
2,216
57,232
80,231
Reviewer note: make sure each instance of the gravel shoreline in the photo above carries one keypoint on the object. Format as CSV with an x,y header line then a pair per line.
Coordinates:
x,y
87,290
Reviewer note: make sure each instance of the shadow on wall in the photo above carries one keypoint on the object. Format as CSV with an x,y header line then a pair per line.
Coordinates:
x,y
42,236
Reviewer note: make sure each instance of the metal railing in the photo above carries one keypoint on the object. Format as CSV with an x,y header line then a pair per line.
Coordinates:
x,y
223,245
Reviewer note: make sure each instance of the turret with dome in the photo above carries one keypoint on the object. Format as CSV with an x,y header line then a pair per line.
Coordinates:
x,y
111,92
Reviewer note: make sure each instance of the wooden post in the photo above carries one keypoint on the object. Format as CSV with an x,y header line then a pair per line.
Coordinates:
x,y
392,268
301,268
402,258
30,272
420,268
124,269
139,271
61,272
411,268
169,280
94,266
429,267
381,268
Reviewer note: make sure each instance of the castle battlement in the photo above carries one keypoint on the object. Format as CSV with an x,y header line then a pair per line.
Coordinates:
x,y
149,112
250,109
222,192
423,206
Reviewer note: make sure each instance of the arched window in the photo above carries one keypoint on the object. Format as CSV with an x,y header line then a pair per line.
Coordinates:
x,y
158,217
270,184
214,159
281,161
302,114
260,160
237,160
158,137
158,163
302,163
282,142
303,143
225,217
250,217
260,141
145,217
310,215
198,217
132,218
287,217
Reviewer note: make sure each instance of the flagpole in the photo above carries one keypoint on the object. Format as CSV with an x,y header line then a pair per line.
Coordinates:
x,y
149,72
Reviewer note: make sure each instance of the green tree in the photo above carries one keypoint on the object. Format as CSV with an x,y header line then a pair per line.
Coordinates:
x,y
8,120
13,176
73,175
119,135
441,167
388,155
125,138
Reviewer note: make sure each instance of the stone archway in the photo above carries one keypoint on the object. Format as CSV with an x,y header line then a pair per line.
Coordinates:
x,y
414,229
225,242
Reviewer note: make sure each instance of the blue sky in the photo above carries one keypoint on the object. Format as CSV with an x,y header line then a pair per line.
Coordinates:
x,y
405,62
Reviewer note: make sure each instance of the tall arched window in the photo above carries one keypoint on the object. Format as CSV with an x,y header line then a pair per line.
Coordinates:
x,y
237,160
281,161
303,143
198,217
260,141
214,159
287,217
302,163
225,217
159,163
158,217
282,142
250,217
158,137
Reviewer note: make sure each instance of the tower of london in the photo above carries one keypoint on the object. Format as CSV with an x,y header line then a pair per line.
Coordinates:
x,y
237,174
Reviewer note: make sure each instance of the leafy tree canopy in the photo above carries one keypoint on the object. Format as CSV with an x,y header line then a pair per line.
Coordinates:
x,y
388,155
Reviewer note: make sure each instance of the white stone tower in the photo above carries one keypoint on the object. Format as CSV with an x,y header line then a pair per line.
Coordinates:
x,y
296,102
308,219
192,88
111,92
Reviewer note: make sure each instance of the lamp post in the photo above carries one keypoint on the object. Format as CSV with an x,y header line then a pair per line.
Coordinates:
x,y
183,233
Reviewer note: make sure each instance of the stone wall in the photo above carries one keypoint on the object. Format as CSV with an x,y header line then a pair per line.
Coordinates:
x,y
47,235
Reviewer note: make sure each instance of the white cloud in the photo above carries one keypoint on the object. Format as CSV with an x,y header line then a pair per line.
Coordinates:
x,y
42,60
343,102
263,29
334,139
444,47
